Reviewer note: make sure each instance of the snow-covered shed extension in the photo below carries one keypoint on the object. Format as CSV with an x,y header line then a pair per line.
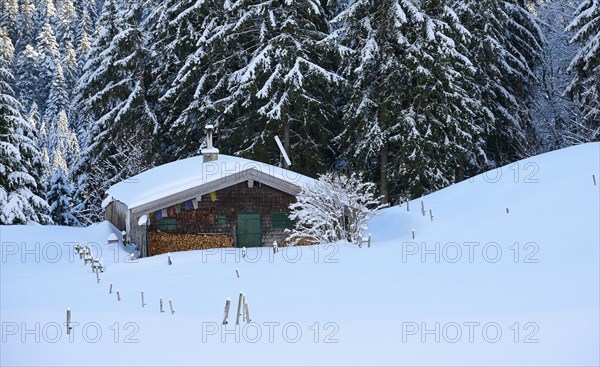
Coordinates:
x,y
242,201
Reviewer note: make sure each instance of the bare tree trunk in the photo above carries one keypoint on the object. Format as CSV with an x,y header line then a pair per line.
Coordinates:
x,y
383,187
459,173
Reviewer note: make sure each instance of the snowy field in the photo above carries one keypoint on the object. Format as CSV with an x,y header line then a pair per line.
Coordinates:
x,y
477,286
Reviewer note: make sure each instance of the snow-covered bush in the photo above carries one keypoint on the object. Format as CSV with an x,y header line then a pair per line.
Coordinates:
x,y
336,207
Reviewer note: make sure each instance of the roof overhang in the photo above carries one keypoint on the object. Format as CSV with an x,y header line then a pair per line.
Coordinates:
x,y
212,186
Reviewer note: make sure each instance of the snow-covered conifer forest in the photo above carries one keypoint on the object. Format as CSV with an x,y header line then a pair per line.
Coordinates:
x,y
414,94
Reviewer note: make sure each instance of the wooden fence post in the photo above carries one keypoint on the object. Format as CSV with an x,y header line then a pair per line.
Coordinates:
x,y
239,308
69,321
246,311
431,215
169,257
161,306
413,234
237,272
226,316
118,296
110,289
171,306
143,303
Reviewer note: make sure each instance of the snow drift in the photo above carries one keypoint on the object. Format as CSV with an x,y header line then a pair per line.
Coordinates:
x,y
506,272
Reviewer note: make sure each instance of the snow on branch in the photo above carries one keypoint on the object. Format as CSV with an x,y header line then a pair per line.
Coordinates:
x,y
336,207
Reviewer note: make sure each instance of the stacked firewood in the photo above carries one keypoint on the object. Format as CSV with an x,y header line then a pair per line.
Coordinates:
x,y
161,242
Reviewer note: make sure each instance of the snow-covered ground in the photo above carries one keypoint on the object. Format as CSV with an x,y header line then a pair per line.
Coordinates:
x,y
477,286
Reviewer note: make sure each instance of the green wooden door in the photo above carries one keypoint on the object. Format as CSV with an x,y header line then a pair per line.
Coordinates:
x,y
249,233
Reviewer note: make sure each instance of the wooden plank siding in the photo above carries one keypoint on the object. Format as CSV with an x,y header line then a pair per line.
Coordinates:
x,y
116,213
220,216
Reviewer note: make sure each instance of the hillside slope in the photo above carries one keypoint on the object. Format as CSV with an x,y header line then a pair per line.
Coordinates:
x,y
500,288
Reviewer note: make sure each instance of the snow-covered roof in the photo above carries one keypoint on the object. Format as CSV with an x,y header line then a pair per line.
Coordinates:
x,y
106,201
186,174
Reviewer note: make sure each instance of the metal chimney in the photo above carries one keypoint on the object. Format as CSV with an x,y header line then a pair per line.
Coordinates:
x,y
209,153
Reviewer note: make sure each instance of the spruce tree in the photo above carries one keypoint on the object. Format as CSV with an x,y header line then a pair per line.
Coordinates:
x,y
283,84
39,164
26,28
60,194
58,100
111,97
373,39
27,81
67,23
70,66
585,86
9,17
192,73
47,60
441,139
506,49
19,203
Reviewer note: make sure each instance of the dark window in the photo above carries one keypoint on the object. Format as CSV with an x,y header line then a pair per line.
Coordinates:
x,y
281,221
168,224
222,219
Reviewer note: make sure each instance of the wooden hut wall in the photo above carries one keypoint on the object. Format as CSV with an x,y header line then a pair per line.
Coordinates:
x,y
217,213
116,213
